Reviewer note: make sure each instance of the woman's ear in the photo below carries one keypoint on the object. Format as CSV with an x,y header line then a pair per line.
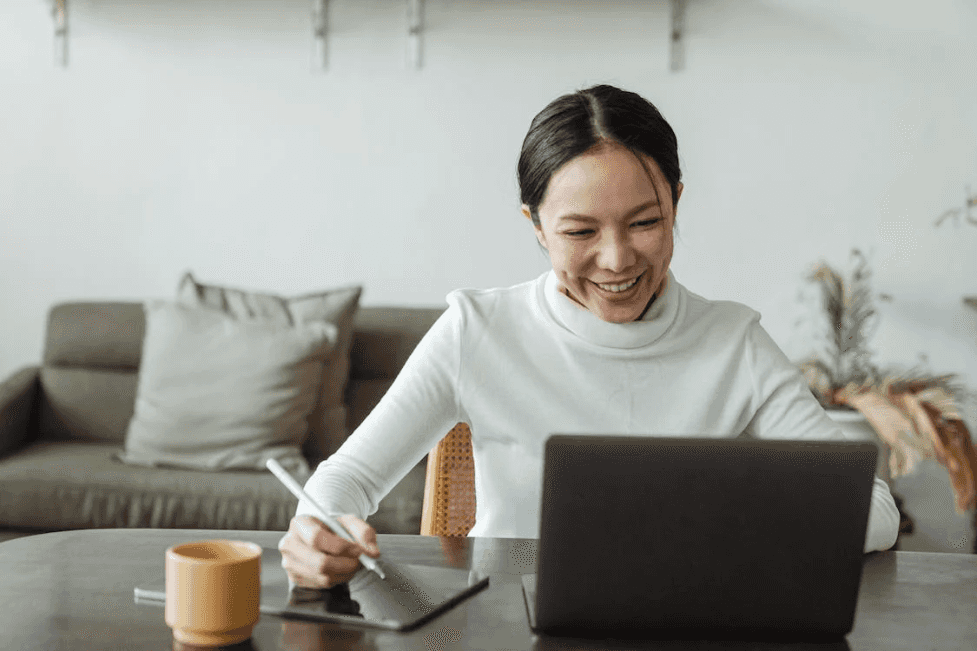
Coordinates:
x,y
678,191
527,213
539,236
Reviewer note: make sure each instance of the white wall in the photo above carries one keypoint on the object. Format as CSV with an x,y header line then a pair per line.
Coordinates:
x,y
193,134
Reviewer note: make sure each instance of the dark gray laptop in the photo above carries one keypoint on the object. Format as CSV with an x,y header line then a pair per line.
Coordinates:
x,y
700,538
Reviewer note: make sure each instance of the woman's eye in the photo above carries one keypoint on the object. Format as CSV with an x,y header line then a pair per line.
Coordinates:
x,y
581,233
644,223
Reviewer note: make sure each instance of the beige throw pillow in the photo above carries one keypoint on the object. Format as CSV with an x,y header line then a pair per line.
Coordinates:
x,y
215,392
336,306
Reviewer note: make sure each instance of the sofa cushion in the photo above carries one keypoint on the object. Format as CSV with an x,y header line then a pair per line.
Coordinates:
x,y
327,422
55,485
361,397
17,394
86,403
385,337
88,380
216,392
383,340
99,335
78,484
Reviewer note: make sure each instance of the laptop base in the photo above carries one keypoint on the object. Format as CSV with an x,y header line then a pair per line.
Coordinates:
x,y
749,639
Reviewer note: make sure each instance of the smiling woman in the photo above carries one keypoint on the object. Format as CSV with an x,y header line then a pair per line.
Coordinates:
x,y
592,181
607,341
607,231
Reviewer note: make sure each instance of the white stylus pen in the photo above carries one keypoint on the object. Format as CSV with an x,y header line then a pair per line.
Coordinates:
x,y
337,528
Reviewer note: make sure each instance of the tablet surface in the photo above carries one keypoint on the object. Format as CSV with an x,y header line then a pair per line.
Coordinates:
x,y
408,597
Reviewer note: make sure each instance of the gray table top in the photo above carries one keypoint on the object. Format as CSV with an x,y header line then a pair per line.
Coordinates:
x,y
73,590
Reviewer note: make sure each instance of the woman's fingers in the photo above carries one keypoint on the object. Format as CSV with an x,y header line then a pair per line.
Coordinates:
x,y
363,533
317,535
315,557
325,572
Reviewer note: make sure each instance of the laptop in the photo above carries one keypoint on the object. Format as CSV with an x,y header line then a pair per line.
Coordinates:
x,y
678,538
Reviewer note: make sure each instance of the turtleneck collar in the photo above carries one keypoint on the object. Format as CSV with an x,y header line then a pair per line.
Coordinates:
x,y
583,323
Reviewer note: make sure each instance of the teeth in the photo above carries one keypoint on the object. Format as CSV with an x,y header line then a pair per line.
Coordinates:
x,y
618,288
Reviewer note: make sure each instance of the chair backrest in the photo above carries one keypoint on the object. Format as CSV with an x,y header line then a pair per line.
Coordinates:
x,y
449,488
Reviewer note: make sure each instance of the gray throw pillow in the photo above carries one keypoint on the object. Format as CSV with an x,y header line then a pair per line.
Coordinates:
x,y
217,393
337,306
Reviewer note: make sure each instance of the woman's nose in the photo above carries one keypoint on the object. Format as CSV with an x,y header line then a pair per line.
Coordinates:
x,y
616,254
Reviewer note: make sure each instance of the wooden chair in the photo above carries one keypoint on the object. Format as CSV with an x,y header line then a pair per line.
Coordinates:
x,y
449,486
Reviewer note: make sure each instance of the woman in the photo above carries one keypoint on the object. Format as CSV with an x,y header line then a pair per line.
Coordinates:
x,y
608,341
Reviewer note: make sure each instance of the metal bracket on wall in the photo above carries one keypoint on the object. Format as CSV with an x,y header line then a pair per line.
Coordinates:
x,y
59,14
415,23
678,31
320,28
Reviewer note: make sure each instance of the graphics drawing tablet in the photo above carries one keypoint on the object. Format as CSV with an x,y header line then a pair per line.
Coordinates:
x,y
409,596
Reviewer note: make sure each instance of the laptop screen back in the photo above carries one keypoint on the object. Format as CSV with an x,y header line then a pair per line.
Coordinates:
x,y
730,538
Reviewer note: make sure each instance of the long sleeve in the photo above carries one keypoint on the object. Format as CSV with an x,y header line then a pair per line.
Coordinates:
x,y
789,410
415,413
520,363
883,519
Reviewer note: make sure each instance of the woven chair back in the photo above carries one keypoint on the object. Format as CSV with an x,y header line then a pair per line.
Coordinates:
x,y
449,488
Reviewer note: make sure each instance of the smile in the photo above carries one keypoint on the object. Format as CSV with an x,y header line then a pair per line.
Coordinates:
x,y
620,287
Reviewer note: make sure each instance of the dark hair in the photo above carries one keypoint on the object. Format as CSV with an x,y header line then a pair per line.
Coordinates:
x,y
575,123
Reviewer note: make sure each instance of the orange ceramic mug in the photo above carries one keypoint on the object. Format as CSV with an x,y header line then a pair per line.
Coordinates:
x,y
213,591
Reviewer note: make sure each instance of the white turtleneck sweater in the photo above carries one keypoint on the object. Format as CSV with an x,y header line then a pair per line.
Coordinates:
x,y
520,363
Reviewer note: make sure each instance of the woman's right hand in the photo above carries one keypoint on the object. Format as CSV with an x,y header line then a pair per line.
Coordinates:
x,y
315,557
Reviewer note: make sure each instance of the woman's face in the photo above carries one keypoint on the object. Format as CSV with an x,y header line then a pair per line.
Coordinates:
x,y
606,221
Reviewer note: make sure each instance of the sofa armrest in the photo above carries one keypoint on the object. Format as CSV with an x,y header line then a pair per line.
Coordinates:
x,y
17,396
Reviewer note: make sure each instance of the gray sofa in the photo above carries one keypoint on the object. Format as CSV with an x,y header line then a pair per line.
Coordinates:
x,y
62,422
